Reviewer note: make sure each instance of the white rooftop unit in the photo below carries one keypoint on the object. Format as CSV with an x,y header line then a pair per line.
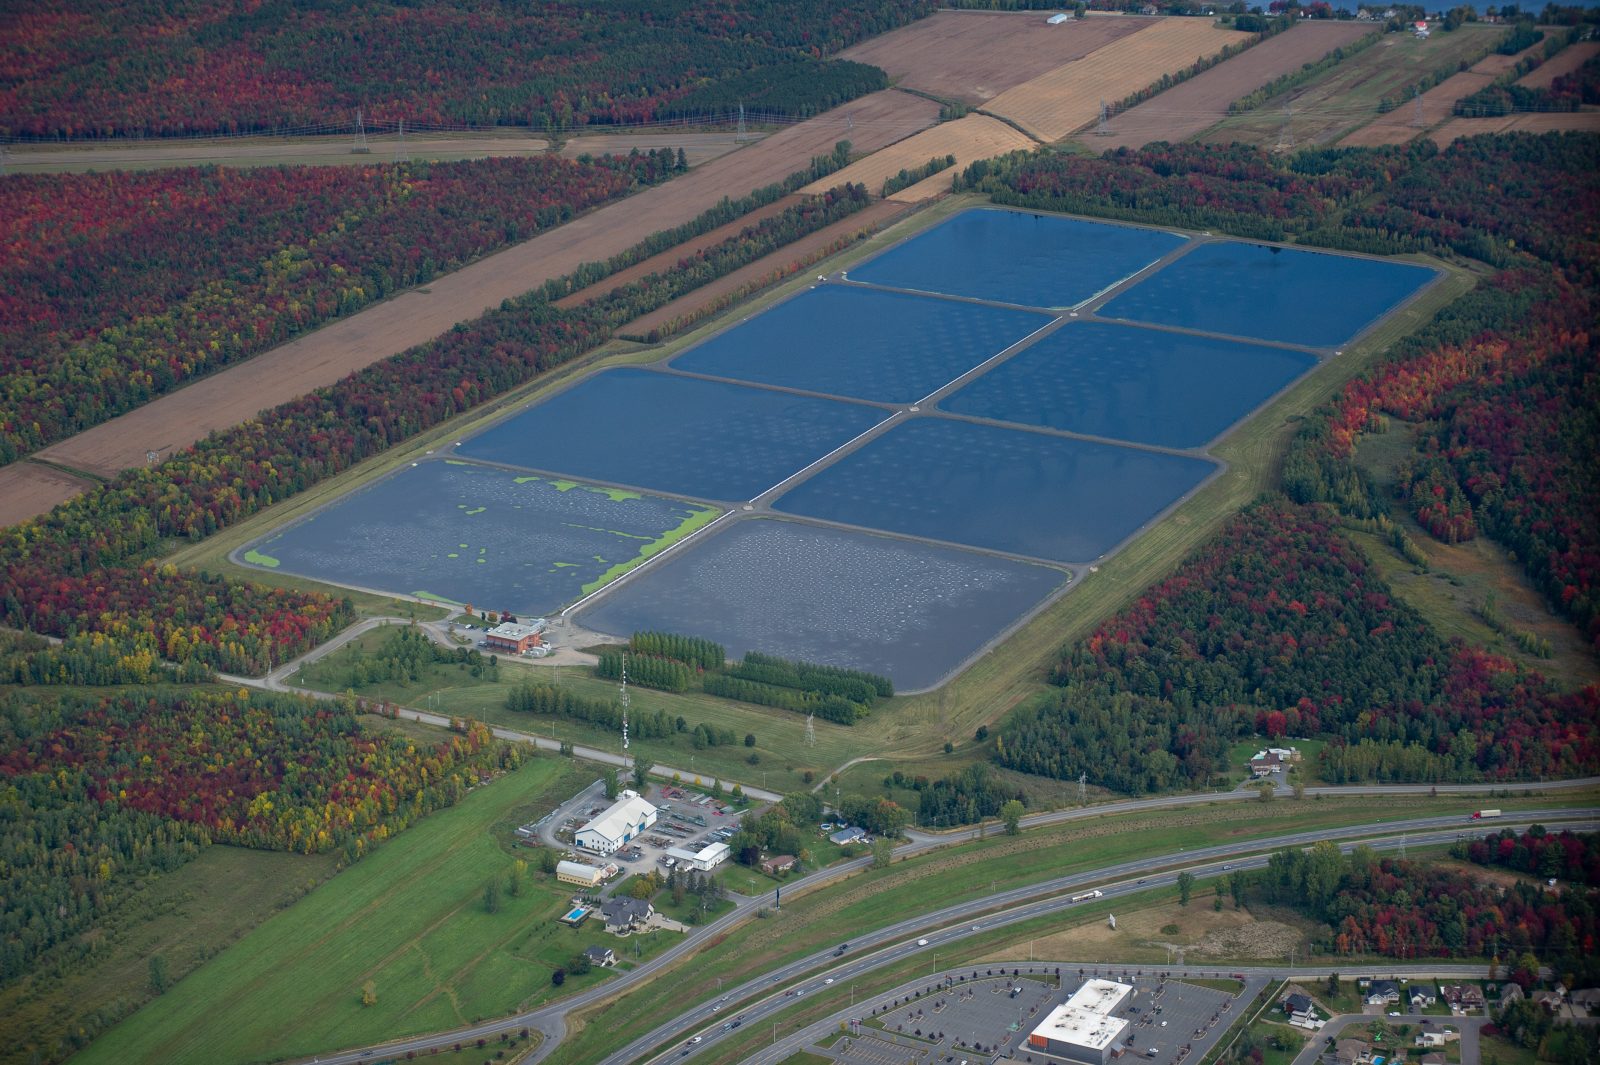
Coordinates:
x,y
1083,1027
1056,20
622,821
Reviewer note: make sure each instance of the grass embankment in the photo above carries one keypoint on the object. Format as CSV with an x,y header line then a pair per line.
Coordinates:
x,y
410,918
1346,96
880,897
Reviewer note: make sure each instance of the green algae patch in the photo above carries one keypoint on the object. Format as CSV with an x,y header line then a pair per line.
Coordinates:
x,y
698,519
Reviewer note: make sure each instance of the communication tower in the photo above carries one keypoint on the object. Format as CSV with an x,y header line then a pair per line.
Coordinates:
x,y
624,701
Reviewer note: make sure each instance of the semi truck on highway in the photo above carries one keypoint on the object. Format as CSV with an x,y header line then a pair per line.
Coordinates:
x,y
1087,895
1479,815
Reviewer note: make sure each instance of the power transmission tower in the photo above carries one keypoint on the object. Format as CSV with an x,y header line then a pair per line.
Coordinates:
x,y
739,136
1286,134
400,154
624,701
1100,128
811,730
360,147
1419,122
1083,789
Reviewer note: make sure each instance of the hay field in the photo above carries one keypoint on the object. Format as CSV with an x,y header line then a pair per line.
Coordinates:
x,y
972,56
1190,108
28,489
1402,124
1065,100
969,138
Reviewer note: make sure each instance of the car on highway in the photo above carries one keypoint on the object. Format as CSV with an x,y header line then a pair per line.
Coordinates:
x,y
1225,868
922,942
695,1040
829,980
1140,880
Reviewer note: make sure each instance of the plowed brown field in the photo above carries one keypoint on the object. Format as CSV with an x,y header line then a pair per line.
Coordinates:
x,y
1186,109
1566,61
974,55
1065,100
1542,122
329,354
27,488
969,138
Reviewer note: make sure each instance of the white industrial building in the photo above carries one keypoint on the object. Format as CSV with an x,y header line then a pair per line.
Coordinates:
x,y
622,821
705,859
1085,1028
580,874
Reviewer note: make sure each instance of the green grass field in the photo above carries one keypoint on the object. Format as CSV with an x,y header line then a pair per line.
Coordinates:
x,y
185,916
1346,96
410,919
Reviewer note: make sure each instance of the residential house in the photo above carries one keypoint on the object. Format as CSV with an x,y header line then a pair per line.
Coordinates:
x,y
1550,1000
626,914
1296,1004
1463,998
600,956
1352,1052
778,863
1510,992
1383,993
1421,998
1588,998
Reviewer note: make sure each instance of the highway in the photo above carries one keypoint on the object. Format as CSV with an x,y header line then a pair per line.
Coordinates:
x,y
949,926
941,928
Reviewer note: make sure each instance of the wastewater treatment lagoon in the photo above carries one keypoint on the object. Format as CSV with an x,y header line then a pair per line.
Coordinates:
x,y
888,470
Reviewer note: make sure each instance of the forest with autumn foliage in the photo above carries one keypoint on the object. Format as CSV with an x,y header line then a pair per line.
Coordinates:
x,y
108,68
1279,626
118,287
1411,909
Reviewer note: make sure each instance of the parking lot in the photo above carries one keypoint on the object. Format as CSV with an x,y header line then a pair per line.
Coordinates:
x,y
987,1014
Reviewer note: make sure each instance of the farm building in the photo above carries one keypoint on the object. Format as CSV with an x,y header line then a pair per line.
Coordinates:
x,y
1273,760
514,637
1085,1028
705,859
622,820
580,874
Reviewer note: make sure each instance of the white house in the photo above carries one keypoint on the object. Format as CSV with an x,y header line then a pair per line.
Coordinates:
x,y
705,859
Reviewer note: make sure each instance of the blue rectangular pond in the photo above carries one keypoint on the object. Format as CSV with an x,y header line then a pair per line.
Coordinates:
x,y
1018,257
889,347
1005,489
463,533
1143,385
907,611
1262,292
664,433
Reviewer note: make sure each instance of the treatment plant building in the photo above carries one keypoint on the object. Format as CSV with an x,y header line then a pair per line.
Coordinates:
x,y
1085,1028
622,821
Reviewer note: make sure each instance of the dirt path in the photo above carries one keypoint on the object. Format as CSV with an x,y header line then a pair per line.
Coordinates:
x,y
1195,105
325,356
